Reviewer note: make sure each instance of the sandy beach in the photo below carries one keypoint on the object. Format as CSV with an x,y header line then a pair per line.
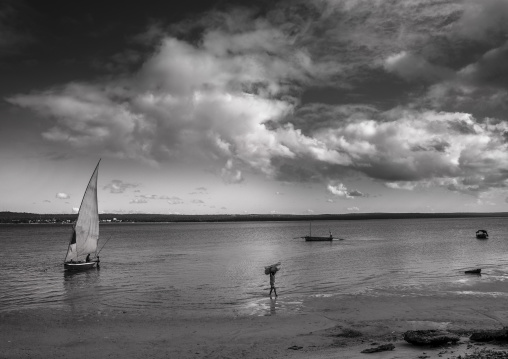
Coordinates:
x,y
320,327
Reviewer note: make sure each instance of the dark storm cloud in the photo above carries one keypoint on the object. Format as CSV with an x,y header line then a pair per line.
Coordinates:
x,y
415,95
13,30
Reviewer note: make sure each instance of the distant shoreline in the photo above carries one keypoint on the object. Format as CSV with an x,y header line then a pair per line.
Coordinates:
x,y
35,218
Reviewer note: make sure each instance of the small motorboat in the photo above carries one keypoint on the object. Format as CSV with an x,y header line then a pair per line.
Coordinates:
x,y
474,271
482,234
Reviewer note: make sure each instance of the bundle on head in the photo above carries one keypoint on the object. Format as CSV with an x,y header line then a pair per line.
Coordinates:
x,y
272,268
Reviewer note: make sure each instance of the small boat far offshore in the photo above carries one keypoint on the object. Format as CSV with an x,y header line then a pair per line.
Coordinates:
x,y
318,239
474,271
311,238
85,232
482,234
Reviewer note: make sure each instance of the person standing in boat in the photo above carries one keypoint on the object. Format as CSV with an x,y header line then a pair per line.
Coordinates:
x,y
87,258
272,281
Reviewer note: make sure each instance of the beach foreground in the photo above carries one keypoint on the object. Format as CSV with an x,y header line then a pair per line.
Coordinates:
x,y
318,327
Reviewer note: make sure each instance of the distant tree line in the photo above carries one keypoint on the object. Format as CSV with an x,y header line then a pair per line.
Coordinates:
x,y
17,217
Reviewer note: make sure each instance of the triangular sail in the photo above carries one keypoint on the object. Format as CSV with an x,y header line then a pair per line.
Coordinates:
x,y
86,230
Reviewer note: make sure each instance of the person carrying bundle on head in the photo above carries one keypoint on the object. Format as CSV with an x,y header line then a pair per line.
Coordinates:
x,y
271,270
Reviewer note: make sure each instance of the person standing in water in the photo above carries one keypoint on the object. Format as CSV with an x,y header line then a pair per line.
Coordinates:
x,y
272,281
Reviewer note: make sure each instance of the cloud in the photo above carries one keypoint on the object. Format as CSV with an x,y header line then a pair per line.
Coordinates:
x,y
353,209
46,201
356,193
408,186
197,201
338,190
485,20
489,69
148,196
138,201
75,209
231,175
208,101
412,67
200,190
175,200
408,145
13,35
153,196
410,96
62,195
118,186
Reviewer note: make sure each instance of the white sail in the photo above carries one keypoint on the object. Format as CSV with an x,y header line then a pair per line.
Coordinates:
x,y
86,230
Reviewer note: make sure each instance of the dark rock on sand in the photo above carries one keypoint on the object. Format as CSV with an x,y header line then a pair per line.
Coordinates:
x,y
500,335
430,337
380,348
295,347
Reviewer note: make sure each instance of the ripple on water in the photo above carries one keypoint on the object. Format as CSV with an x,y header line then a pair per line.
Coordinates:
x,y
219,266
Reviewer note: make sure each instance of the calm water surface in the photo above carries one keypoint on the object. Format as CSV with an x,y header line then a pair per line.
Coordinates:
x,y
183,268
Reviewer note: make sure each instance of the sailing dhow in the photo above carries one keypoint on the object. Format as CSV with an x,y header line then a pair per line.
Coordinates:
x,y
85,232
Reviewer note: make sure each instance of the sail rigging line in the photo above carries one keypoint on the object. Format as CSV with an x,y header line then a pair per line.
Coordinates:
x,y
103,246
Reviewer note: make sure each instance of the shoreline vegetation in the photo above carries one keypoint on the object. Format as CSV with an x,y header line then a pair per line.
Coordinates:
x,y
36,218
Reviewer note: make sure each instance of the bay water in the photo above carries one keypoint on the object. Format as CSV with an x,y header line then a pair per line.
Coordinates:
x,y
218,268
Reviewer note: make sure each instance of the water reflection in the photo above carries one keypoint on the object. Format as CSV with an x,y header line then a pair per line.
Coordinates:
x,y
273,302
81,288
80,278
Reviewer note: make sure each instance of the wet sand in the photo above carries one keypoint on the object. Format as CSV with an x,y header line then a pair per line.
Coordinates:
x,y
317,327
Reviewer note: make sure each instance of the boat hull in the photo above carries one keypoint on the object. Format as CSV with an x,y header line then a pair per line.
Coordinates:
x,y
79,266
482,234
474,271
317,239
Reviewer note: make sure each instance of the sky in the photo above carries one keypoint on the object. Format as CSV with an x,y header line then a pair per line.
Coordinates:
x,y
234,107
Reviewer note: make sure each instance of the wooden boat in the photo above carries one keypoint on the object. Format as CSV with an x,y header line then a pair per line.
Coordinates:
x,y
311,238
85,232
482,234
318,239
474,271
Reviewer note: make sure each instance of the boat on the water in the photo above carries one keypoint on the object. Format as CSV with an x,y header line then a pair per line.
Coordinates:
x,y
85,232
311,238
474,271
318,239
482,234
